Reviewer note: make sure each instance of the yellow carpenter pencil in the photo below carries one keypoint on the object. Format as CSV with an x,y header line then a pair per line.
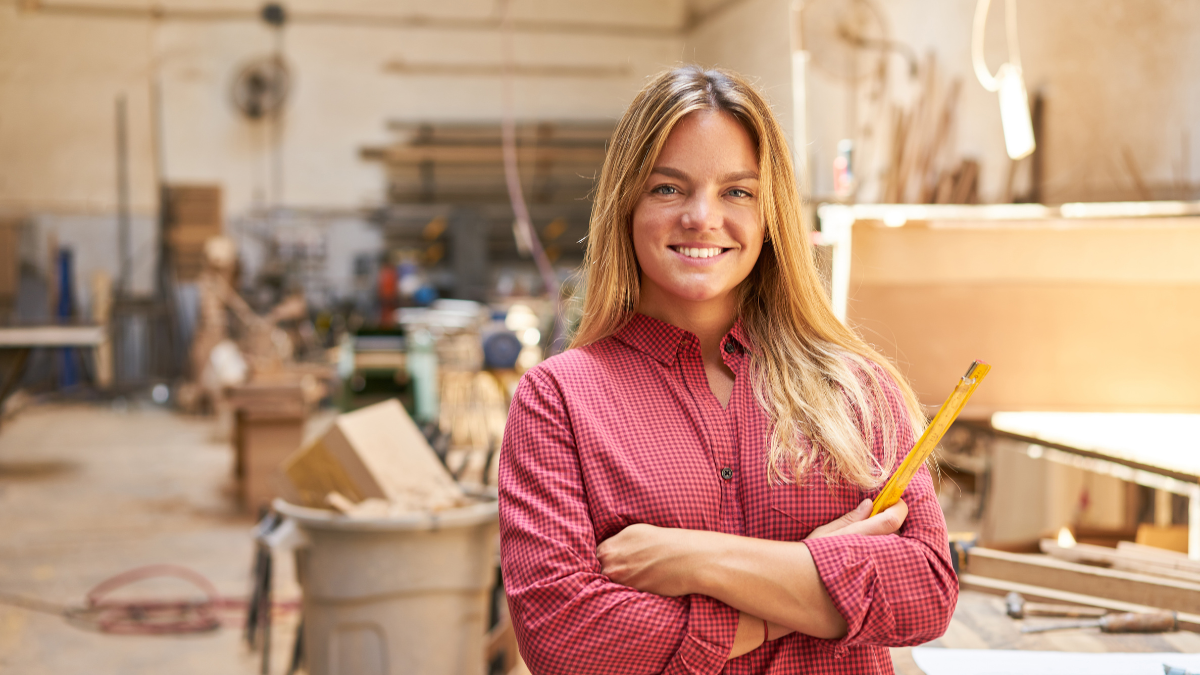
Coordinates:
x,y
890,494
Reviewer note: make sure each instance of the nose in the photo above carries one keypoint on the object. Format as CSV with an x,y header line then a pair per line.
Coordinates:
x,y
702,211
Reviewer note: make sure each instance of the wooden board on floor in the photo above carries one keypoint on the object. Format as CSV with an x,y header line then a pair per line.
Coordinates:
x,y
1047,572
980,622
1184,570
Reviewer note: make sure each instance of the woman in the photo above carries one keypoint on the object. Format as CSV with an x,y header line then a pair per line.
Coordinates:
x,y
685,490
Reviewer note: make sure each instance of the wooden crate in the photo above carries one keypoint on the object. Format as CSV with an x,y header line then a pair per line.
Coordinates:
x,y
194,215
268,427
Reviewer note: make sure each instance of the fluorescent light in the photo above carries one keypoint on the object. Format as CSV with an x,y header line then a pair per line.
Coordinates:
x,y
1014,112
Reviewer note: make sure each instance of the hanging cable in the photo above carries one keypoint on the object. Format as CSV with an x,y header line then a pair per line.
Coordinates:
x,y
978,35
508,139
1009,80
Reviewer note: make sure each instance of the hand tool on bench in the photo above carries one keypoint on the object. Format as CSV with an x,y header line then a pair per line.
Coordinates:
x,y
1017,607
1131,622
890,494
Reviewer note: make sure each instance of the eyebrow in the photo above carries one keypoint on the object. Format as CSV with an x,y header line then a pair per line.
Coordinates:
x,y
727,178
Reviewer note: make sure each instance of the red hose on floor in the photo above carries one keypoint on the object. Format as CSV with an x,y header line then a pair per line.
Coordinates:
x,y
147,616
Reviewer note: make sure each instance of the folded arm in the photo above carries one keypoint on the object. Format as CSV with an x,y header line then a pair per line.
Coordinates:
x,y
885,580
569,616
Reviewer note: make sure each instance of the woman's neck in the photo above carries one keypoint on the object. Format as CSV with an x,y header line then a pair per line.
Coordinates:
x,y
709,321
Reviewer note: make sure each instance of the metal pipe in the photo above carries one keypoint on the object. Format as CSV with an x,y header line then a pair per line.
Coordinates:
x,y
411,21
124,245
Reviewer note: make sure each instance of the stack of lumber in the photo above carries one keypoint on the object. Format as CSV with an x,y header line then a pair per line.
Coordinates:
x,y
1130,578
463,163
472,413
193,216
922,163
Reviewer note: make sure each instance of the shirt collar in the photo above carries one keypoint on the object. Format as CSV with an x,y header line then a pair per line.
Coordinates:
x,y
652,337
661,340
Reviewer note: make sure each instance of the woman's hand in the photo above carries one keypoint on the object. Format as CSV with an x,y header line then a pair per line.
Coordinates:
x,y
651,559
860,521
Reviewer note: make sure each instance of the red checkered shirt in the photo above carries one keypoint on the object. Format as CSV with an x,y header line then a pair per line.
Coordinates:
x,y
627,431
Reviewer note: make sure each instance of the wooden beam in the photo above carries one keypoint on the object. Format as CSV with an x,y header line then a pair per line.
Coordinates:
x,y
51,336
482,154
1040,570
1183,570
1187,621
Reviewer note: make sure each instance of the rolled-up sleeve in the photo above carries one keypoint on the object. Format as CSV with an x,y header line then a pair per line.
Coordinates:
x,y
568,616
899,589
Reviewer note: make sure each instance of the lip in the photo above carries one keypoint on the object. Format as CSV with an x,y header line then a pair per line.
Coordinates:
x,y
699,261
724,250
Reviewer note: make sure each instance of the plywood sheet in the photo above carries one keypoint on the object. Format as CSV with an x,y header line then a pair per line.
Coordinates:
x,y
1074,315
1054,346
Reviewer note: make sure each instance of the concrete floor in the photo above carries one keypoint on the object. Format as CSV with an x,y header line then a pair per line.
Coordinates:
x,y
87,492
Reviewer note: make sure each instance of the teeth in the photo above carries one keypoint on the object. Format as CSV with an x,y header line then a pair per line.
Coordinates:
x,y
699,252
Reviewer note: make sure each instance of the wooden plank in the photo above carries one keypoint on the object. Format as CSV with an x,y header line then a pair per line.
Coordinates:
x,y
51,336
1043,339
1149,250
1153,553
1040,570
481,154
1184,570
1036,300
975,582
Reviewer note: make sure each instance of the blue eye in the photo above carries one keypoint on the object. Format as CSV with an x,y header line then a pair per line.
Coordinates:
x,y
738,192
665,190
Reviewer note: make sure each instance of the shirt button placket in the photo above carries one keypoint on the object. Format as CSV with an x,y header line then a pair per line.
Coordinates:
x,y
727,473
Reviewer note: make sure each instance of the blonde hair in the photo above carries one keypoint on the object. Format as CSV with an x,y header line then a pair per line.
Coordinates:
x,y
813,376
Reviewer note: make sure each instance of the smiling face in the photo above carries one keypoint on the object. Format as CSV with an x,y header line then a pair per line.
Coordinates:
x,y
697,228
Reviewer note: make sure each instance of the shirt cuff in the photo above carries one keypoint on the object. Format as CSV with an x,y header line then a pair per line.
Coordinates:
x,y
852,581
712,626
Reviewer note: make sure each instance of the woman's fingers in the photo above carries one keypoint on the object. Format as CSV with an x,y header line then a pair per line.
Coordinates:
x,y
886,522
860,521
831,528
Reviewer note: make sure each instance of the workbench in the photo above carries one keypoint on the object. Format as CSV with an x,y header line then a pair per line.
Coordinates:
x,y
16,342
980,622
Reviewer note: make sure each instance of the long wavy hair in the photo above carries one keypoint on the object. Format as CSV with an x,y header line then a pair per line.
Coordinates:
x,y
815,378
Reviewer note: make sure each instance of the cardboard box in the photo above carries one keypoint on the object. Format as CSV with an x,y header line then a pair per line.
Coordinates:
x,y
373,453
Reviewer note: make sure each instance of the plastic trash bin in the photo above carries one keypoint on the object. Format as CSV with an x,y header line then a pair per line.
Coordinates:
x,y
405,595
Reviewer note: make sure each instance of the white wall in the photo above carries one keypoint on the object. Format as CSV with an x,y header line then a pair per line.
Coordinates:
x,y
1115,74
61,73
752,37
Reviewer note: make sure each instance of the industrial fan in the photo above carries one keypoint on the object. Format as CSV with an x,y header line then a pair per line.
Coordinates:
x,y
261,87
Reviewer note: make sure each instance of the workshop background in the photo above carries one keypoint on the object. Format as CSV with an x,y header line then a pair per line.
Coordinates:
x,y
269,274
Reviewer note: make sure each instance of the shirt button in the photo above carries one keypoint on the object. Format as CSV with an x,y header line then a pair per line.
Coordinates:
x,y
727,473
730,347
